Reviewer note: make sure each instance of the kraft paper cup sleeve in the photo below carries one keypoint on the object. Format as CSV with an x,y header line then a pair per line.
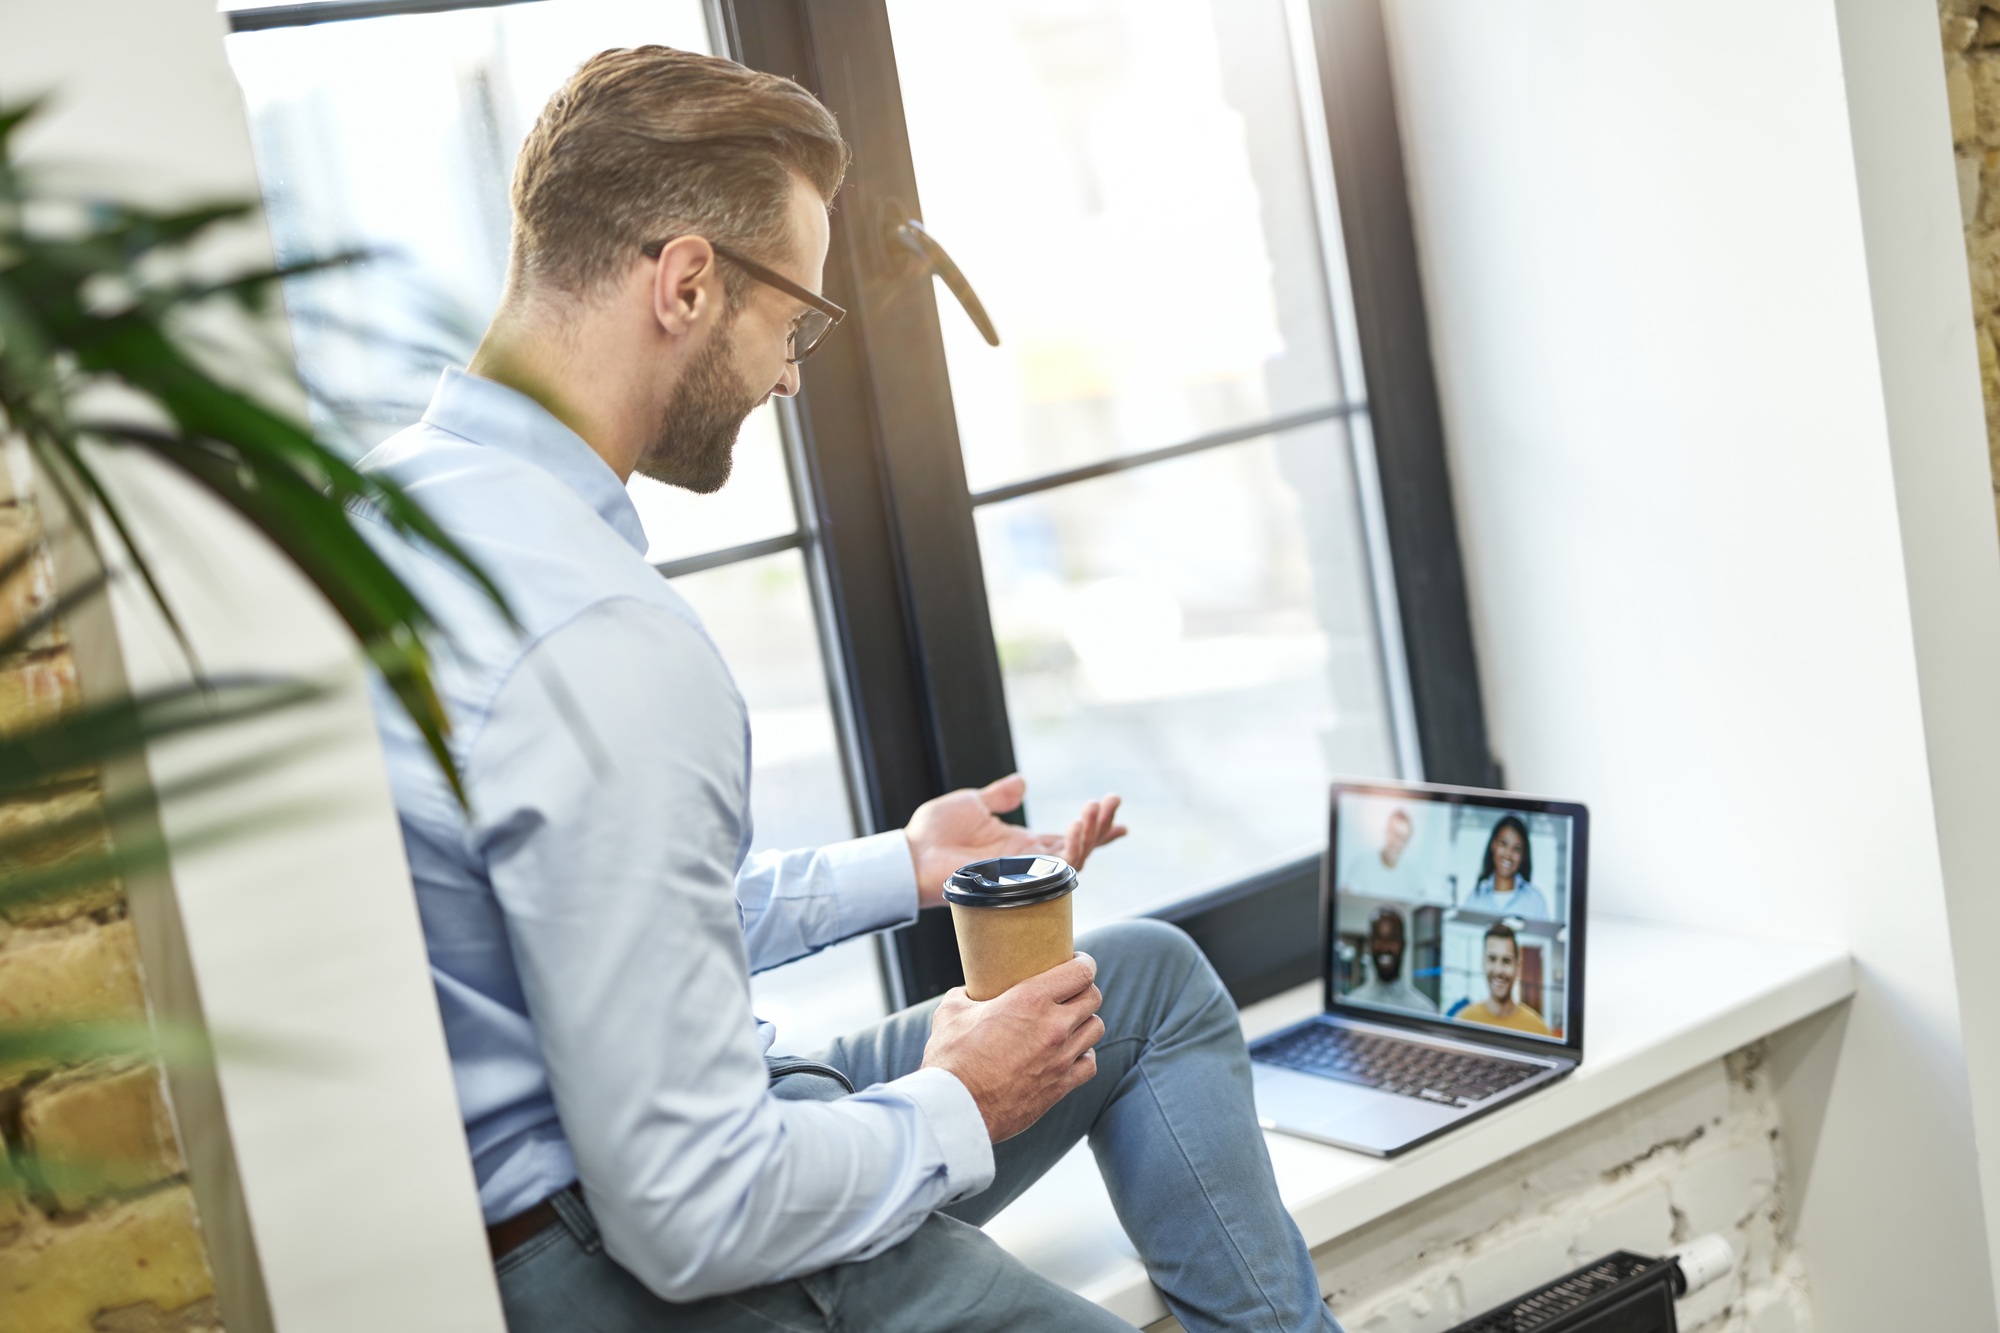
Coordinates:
x,y
1012,916
1001,947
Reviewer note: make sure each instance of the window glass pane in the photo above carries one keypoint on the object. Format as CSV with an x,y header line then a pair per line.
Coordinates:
x,y
834,993
759,613
1124,183
757,502
1198,636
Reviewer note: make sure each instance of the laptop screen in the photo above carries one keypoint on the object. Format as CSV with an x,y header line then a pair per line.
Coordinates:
x,y
1457,905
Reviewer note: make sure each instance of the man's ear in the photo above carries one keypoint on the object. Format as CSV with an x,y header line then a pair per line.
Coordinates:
x,y
687,289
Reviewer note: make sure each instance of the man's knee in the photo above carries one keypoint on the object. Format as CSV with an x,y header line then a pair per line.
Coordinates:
x,y
1141,941
1156,967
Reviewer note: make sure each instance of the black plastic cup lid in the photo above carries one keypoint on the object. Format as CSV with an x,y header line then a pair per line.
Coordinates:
x,y
1010,881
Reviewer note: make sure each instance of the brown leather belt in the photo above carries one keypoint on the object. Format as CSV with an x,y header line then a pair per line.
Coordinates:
x,y
504,1237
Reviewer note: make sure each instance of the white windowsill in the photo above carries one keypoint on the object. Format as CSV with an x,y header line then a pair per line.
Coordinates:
x,y
1663,1000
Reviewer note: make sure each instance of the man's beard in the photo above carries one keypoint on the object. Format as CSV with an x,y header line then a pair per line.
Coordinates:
x,y
1388,967
695,445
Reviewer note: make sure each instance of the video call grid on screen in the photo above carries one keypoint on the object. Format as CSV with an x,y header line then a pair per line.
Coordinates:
x,y
1427,925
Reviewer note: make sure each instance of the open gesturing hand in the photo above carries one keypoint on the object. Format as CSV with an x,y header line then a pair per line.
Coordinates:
x,y
965,825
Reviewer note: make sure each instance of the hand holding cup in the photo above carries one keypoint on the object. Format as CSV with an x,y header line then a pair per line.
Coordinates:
x,y
1025,1050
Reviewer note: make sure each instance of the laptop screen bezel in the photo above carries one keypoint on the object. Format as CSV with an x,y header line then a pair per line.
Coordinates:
x,y
1578,923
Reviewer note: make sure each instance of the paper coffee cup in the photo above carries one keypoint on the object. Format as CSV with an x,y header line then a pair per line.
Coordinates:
x,y
1012,915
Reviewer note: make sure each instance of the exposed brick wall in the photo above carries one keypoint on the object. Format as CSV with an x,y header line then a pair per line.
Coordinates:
x,y
104,1236
1971,32
1700,1155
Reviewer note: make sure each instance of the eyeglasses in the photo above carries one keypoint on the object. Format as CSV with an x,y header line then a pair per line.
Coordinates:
x,y
812,327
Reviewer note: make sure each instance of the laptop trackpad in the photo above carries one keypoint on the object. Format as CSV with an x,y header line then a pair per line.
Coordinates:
x,y
1391,1123
1286,1097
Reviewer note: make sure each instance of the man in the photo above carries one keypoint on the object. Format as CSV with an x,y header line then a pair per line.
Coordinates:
x,y
1386,947
593,920
1503,966
1389,873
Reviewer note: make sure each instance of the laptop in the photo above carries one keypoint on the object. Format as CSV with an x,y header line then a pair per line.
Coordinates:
x,y
1452,959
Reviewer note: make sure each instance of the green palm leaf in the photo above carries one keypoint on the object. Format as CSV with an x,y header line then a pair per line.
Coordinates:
x,y
83,303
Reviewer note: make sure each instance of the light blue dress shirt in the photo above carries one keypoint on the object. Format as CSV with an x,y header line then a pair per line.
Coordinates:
x,y
593,925
1526,900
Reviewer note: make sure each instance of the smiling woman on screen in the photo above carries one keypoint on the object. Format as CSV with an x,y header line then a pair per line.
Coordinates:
x,y
1504,885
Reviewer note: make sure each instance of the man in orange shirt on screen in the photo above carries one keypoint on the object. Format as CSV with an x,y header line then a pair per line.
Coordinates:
x,y
1503,967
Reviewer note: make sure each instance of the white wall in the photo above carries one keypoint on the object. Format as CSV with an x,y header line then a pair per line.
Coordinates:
x,y
1642,231
303,933
1937,434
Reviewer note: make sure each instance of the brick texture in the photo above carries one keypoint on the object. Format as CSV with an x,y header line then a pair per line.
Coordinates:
x,y
145,1252
32,588
1971,36
98,1232
1699,1155
36,688
71,974
64,827
95,1131
13,1213
200,1317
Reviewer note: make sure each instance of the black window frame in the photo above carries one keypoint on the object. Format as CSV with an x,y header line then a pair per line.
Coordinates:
x,y
886,515
887,477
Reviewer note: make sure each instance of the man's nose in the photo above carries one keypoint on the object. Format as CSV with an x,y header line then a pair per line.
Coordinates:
x,y
788,383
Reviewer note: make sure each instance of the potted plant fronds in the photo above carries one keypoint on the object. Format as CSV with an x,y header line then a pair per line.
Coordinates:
x,y
101,350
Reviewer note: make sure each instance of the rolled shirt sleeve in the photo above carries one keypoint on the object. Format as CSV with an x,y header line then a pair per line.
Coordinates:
x,y
797,903
617,862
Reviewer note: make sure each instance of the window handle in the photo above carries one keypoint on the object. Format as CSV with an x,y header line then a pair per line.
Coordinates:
x,y
913,236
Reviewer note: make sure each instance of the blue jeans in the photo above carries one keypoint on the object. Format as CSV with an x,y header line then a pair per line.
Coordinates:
x,y
1171,1122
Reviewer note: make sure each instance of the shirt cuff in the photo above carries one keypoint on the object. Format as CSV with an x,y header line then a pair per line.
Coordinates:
x,y
874,881
957,1125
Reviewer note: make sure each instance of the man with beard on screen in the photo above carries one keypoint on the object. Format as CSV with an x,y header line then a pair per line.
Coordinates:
x,y
1388,948
594,912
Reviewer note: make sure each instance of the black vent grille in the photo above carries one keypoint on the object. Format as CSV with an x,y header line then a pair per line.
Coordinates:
x,y
1616,1292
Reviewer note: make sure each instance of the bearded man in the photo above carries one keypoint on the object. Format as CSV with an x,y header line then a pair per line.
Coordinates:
x,y
1388,948
594,920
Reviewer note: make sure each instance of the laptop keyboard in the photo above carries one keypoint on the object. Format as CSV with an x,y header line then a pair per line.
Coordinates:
x,y
1453,1078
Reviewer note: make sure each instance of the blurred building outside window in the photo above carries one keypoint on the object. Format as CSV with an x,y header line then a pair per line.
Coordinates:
x,y
1130,187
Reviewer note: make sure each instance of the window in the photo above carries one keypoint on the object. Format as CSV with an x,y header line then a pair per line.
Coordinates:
x,y
1158,453
1184,533
1187,530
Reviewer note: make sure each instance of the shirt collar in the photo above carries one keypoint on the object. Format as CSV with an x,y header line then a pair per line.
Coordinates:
x,y
491,414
